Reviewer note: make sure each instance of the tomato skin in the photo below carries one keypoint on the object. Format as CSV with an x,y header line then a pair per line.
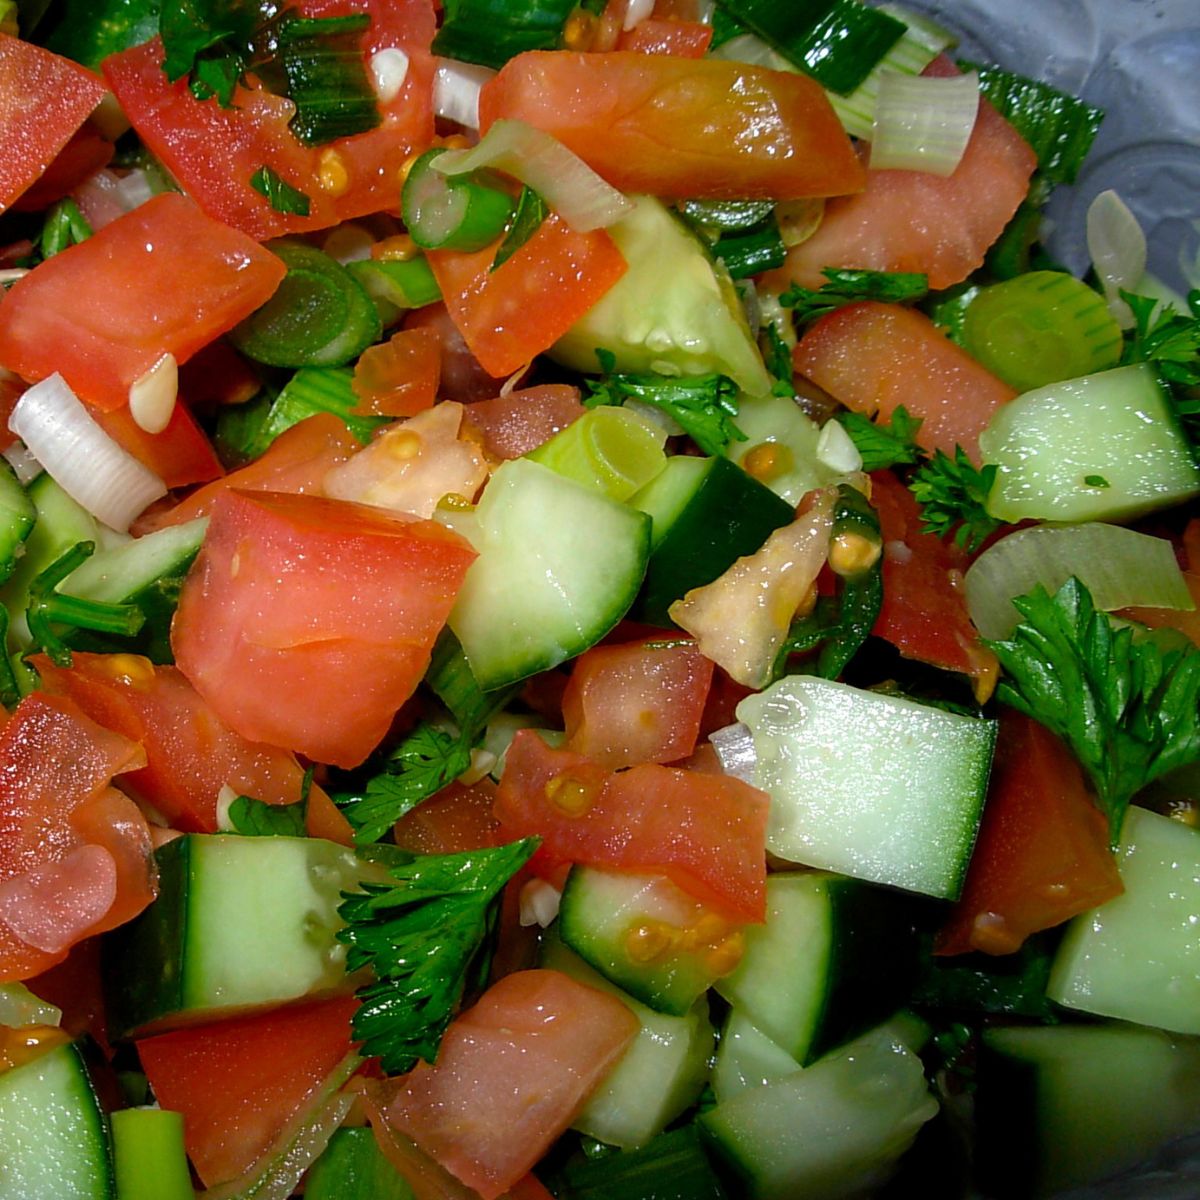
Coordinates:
x,y
637,702
684,39
86,152
1042,855
44,99
307,622
524,419
190,752
214,151
399,377
661,124
509,315
458,818
873,356
75,855
924,611
180,455
511,1074
163,279
461,376
706,832
240,1082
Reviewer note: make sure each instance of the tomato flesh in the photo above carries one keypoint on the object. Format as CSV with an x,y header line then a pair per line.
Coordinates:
x,y
524,419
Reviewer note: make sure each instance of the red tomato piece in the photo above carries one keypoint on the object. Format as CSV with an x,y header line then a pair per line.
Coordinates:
x,y
678,127
296,461
190,752
462,377
938,225
525,305
638,702
44,99
511,1074
213,151
872,357
242,1083
76,985
74,852
924,612
1188,623
458,818
1042,855
521,421
163,279
399,377
684,39
707,833
307,622
86,152
180,455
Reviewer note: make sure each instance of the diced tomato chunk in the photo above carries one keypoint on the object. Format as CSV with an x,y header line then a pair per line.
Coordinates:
x,y
706,832
524,419
684,39
661,124
240,1084
86,152
458,818
1042,855
74,852
163,279
872,357
399,377
44,99
512,1072
179,455
638,702
307,622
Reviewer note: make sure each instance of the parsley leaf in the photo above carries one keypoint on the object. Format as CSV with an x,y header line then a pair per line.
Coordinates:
x,y
1170,340
702,405
210,40
849,287
1127,704
953,493
282,197
256,818
777,357
884,444
427,940
527,218
422,764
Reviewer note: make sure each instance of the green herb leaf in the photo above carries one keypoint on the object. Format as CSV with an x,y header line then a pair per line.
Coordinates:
x,y
530,212
777,357
1168,339
427,940
1126,703
884,443
255,818
280,194
747,252
1096,481
490,32
953,495
210,40
427,760
849,287
703,405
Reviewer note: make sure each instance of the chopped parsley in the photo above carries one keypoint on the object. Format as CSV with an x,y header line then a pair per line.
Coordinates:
x,y
849,287
884,443
280,194
256,818
953,496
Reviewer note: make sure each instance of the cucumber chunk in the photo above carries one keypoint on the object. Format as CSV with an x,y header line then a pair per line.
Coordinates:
x,y
1103,447
659,1075
1064,1105
835,957
647,936
17,516
239,923
873,786
707,513
1138,956
673,312
782,438
53,1139
559,565
834,1129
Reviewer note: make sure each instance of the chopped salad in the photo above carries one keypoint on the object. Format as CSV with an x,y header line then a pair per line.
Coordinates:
x,y
588,612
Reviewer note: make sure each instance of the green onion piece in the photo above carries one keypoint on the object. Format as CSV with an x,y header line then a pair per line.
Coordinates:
x,y
949,311
923,123
451,214
319,315
753,250
10,690
1040,328
1011,254
672,1165
1117,248
1119,567
327,78
608,449
726,215
450,679
396,285
352,1167
64,226
922,41
531,212
280,194
1058,126
490,32
837,42
149,1157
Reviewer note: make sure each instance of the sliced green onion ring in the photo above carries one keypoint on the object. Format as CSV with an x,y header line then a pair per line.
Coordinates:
x,y
923,123
1120,567
452,214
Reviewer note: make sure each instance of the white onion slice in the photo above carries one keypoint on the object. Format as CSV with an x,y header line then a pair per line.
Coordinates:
x,y
85,462
1117,247
456,88
735,748
636,13
836,449
133,189
1119,567
923,123
24,465
389,70
560,177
